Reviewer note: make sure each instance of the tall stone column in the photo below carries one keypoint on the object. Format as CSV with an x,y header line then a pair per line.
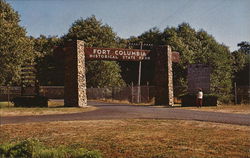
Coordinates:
x,y
163,76
75,78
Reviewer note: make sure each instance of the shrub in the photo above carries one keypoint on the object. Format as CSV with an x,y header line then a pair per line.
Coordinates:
x,y
30,101
4,150
24,149
190,100
49,153
34,149
83,153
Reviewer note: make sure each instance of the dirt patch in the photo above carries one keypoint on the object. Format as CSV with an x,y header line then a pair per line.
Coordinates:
x,y
139,138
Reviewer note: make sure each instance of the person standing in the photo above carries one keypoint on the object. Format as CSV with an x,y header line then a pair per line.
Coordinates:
x,y
199,98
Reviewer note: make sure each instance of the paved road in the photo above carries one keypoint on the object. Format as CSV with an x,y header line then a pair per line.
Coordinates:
x,y
107,111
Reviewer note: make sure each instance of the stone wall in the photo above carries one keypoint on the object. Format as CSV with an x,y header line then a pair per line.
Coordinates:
x,y
75,80
163,75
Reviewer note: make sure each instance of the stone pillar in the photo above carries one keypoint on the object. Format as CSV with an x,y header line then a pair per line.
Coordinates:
x,y
163,77
75,79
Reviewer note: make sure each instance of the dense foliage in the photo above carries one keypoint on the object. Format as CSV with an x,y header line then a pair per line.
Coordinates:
x,y
32,148
15,48
95,34
49,64
195,47
241,64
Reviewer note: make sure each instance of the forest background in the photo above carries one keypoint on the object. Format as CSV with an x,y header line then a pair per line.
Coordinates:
x,y
194,46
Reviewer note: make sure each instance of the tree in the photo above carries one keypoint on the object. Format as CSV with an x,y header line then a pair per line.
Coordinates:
x,y
153,36
108,74
195,47
200,47
244,47
15,48
49,63
130,69
95,34
241,64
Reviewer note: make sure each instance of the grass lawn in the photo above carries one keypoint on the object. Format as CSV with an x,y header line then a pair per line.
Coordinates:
x,y
139,138
241,109
55,107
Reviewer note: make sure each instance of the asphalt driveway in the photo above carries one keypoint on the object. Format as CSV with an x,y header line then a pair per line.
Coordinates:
x,y
108,111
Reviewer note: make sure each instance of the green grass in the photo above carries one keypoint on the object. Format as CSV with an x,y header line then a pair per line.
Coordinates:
x,y
31,148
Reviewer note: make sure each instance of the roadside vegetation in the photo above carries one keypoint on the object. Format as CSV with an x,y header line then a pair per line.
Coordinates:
x,y
34,149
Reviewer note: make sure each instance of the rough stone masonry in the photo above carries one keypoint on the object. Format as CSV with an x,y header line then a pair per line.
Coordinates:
x,y
163,77
75,79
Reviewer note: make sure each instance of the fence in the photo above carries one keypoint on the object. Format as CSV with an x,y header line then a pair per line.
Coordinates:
x,y
7,93
130,94
52,92
243,95
147,93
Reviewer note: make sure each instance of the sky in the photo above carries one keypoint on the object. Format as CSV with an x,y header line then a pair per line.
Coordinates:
x,y
228,21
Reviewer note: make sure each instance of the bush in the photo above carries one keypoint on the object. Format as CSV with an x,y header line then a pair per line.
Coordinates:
x,y
190,100
30,101
24,149
4,150
34,149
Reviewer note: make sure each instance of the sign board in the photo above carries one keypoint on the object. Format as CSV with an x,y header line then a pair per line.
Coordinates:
x,y
116,54
28,79
198,77
122,54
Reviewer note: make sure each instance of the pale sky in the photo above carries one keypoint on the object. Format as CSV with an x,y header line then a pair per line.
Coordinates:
x,y
227,20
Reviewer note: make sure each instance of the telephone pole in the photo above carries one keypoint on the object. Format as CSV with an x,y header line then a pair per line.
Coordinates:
x,y
139,79
139,71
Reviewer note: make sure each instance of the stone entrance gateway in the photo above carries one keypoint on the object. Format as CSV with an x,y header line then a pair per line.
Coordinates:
x,y
75,78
